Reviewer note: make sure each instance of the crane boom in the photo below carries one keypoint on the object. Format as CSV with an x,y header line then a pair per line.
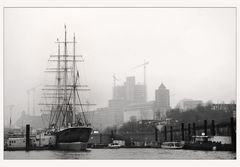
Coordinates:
x,y
145,63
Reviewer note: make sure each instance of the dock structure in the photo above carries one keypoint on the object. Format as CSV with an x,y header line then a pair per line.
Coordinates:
x,y
168,133
224,131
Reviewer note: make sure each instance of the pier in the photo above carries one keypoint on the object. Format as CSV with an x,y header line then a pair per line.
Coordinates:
x,y
169,133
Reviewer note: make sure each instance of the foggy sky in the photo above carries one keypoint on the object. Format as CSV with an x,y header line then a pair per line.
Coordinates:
x,y
190,50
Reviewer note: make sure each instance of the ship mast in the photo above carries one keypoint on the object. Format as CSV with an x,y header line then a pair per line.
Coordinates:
x,y
65,74
74,81
58,77
64,109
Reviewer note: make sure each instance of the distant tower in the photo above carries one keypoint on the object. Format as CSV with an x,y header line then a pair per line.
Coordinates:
x,y
162,101
130,89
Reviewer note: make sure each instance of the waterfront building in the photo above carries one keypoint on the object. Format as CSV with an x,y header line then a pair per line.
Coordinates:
x,y
162,102
188,104
224,107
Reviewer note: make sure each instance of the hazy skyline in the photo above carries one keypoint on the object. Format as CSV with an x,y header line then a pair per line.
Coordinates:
x,y
190,50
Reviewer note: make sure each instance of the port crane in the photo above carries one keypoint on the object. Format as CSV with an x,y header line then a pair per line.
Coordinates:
x,y
10,108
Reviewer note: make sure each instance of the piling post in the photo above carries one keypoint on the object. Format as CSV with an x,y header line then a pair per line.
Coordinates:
x,y
213,128
27,137
171,133
111,133
182,129
205,127
194,129
165,133
233,135
112,136
156,134
189,131
100,138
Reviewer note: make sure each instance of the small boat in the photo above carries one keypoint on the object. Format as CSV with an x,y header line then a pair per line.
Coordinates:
x,y
172,145
114,145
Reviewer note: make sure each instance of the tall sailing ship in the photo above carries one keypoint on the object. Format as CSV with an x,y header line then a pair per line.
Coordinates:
x,y
67,120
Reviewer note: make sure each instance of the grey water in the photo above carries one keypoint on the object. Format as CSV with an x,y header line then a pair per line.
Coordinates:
x,y
122,153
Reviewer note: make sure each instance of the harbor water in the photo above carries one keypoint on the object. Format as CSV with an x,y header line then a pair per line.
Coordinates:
x,y
122,153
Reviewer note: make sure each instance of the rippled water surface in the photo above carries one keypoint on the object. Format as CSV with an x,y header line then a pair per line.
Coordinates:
x,y
123,153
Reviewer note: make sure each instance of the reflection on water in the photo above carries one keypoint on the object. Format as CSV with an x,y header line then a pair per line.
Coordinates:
x,y
122,153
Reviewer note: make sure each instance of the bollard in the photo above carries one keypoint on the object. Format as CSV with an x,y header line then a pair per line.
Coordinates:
x,y
182,129
189,132
171,133
165,133
194,129
27,137
213,128
205,127
100,138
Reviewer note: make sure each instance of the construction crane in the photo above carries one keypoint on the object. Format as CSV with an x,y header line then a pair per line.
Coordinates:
x,y
114,84
144,70
145,63
33,89
114,80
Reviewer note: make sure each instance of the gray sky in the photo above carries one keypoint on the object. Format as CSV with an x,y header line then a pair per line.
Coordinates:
x,y
190,50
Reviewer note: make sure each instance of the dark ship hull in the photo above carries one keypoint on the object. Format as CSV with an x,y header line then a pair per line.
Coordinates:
x,y
75,138
208,147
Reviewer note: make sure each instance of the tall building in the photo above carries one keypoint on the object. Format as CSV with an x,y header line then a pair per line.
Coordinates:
x,y
162,102
139,93
130,89
119,93
128,99
139,112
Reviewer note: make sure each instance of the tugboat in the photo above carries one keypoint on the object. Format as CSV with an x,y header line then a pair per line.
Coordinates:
x,y
71,129
209,143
